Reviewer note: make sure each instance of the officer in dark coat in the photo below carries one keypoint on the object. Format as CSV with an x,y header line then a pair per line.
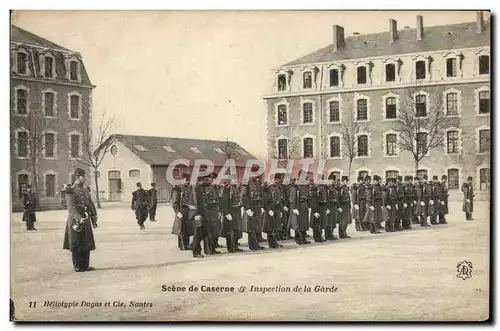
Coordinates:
x,y
422,200
400,210
251,198
315,215
355,206
153,201
30,205
272,209
443,199
362,202
140,205
322,210
331,207
414,183
181,202
433,200
285,232
299,215
345,208
390,204
468,205
374,205
82,218
230,207
408,203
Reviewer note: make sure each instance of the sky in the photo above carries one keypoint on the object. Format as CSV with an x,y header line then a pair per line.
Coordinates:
x,y
200,74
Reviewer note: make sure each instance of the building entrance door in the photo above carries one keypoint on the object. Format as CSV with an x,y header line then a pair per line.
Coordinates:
x,y
115,185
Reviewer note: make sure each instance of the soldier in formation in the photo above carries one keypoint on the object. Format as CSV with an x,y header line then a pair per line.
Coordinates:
x,y
30,205
468,205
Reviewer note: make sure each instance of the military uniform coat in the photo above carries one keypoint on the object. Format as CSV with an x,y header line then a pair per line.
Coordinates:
x,y
78,201
392,199
430,199
400,200
140,204
272,202
345,204
369,214
420,194
468,190
442,196
331,206
299,200
322,205
251,198
30,204
355,202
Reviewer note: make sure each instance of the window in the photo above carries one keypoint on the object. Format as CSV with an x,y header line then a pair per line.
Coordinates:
x,y
452,139
282,115
176,172
50,185
113,150
484,141
334,111
22,63
73,70
308,148
282,149
75,146
49,103
307,110
362,109
48,66
134,173
390,72
362,173
451,67
363,145
334,146
113,174
50,140
140,148
307,79
391,144
453,179
334,77
22,182
196,150
361,75
169,149
451,104
281,82
22,144
421,105
390,108
421,143
391,174
484,102
420,69
484,65
484,179
22,101
421,173
74,109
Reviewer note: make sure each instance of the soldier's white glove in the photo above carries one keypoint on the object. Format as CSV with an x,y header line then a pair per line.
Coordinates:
x,y
467,200
328,211
397,208
442,202
356,206
249,212
285,208
316,215
340,210
229,217
405,205
389,207
372,208
431,202
197,218
179,214
422,203
414,202
262,211
296,211
281,214
271,213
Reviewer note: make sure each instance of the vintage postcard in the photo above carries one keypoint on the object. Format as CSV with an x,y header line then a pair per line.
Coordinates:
x,y
250,166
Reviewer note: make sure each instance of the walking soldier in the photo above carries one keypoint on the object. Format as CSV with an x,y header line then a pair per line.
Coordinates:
x,y
468,205
82,218
408,204
443,199
153,201
230,207
400,210
30,205
140,204
345,208
251,198
181,200
273,210
299,216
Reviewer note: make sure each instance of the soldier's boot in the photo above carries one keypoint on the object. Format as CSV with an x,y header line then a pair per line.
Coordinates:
x,y
229,243
372,228
299,238
234,240
442,219
304,235
423,221
317,235
180,243
433,220
253,242
275,241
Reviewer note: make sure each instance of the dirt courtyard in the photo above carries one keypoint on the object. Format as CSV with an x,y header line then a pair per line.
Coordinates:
x,y
142,276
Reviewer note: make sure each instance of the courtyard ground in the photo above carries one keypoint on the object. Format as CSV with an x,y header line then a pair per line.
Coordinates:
x,y
402,276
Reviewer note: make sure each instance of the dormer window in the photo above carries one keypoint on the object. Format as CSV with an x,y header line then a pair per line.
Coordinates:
x,y
48,63
73,70
451,67
169,149
420,68
307,79
22,62
196,150
390,72
334,77
361,75
281,82
140,148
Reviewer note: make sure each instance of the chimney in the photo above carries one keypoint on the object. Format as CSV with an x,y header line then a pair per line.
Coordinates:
x,y
338,37
393,29
420,27
480,22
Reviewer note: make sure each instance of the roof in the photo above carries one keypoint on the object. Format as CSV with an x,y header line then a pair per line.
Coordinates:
x,y
157,149
22,36
441,37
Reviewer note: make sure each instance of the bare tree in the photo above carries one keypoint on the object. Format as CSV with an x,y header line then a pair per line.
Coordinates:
x,y
293,145
230,150
95,146
422,121
349,146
